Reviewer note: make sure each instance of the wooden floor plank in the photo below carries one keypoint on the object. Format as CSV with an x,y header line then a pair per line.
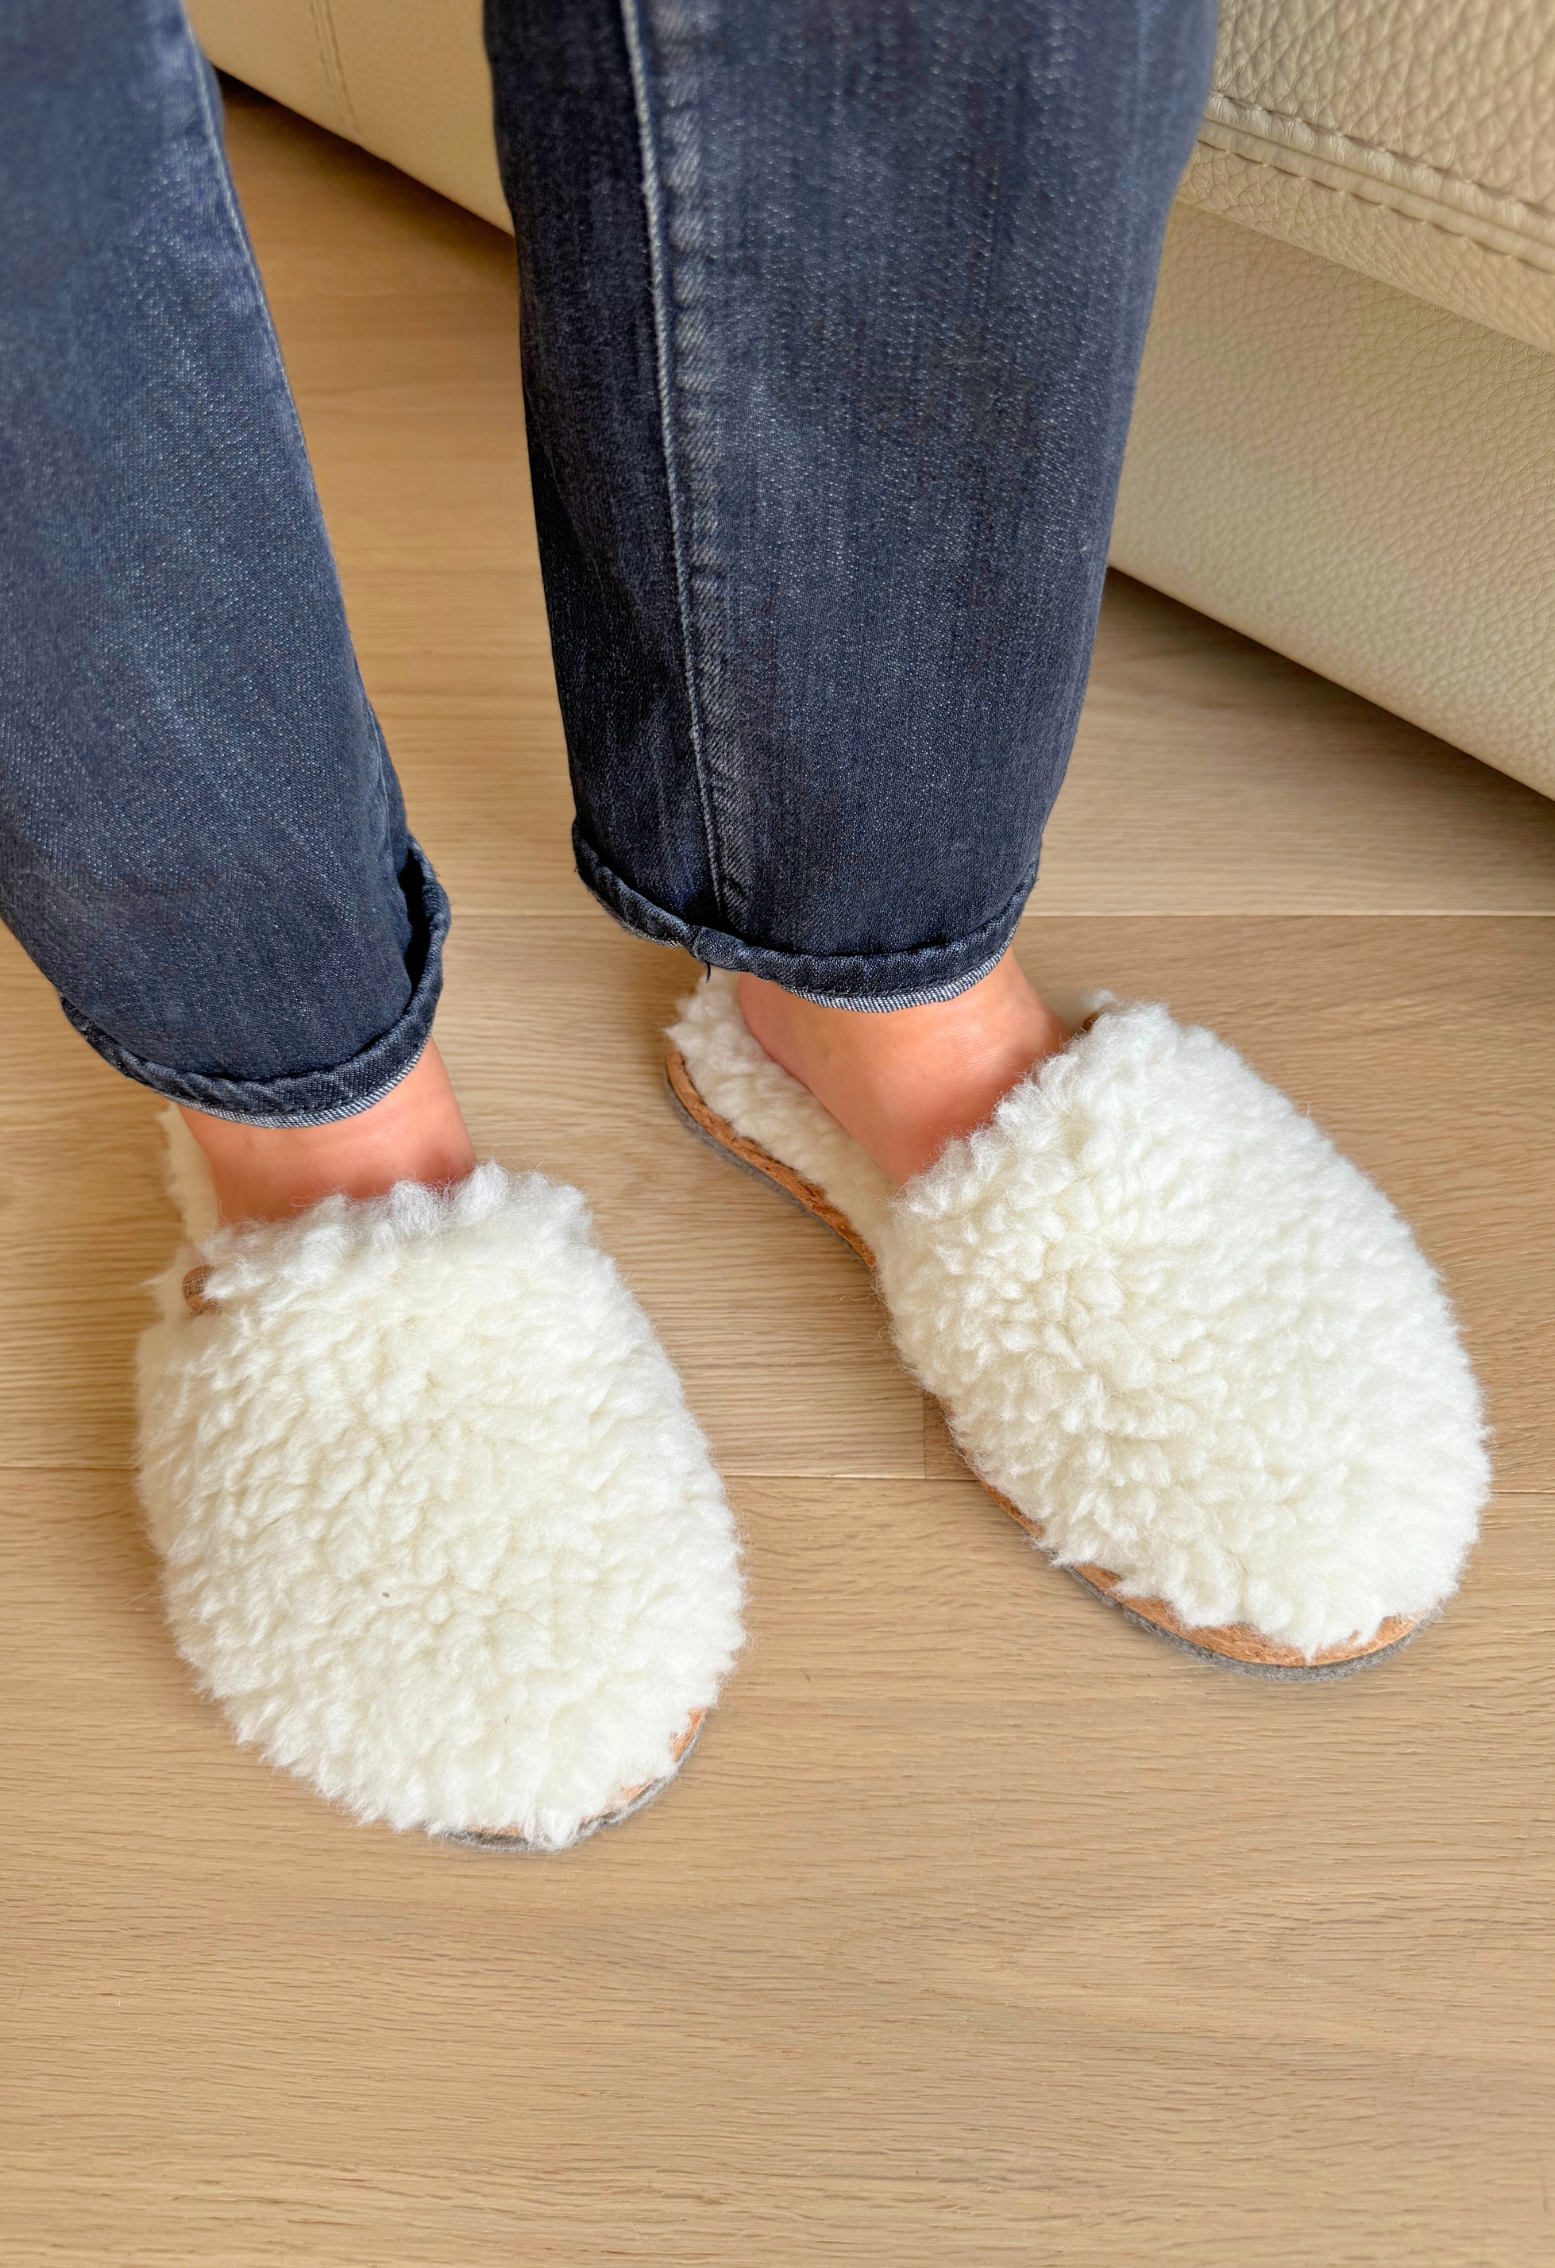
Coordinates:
x,y
981,1928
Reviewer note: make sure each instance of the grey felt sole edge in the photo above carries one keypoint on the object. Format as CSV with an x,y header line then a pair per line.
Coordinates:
x,y
515,1846
1271,1673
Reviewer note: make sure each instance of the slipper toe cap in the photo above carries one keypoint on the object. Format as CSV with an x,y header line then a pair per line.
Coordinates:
x,y
437,1527
1192,1344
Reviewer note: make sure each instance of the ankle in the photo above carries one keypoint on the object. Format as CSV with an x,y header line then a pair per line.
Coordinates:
x,y
416,1132
906,1082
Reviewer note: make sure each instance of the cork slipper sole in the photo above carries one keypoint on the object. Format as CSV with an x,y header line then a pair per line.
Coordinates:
x,y
1233,1646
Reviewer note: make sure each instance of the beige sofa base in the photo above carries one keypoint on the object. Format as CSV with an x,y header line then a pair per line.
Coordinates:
x,y
407,79
1354,477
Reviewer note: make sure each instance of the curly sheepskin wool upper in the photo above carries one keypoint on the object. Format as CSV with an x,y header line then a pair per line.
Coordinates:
x,y
1168,1321
437,1527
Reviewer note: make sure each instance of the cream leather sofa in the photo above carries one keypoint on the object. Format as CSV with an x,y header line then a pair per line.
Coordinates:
x,y
1344,442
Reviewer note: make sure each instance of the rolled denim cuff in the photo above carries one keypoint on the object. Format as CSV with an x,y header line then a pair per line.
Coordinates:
x,y
870,982
316,1098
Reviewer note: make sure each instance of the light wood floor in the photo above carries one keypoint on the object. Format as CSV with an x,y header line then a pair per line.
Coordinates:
x,y
982,1929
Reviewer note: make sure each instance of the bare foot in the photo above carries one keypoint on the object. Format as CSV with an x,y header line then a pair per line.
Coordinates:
x,y
907,1082
268,1173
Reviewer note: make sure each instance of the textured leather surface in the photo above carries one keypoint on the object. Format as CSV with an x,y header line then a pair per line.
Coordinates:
x,y
1406,139
1463,88
1355,478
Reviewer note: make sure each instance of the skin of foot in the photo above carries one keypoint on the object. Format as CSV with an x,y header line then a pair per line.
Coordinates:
x,y
906,1082
416,1132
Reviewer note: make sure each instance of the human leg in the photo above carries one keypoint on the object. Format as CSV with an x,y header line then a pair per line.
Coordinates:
x,y
831,322
906,1082
831,318
204,842
437,1528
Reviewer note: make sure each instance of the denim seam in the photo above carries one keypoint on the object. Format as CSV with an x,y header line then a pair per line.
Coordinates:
x,y
656,925
205,82
204,78
657,231
207,1091
887,1003
292,1120
170,1084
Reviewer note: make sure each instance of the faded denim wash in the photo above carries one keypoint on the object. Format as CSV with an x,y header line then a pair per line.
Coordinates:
x,y
831,320
831,316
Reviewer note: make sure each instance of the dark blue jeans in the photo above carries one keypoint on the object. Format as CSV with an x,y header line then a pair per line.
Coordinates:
x,y
831,313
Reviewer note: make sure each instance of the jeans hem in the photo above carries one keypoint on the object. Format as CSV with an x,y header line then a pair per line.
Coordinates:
x,y
883,1004
314,1098
870,982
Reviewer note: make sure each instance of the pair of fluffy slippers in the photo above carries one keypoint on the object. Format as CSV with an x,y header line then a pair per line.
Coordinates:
x,y
441,1535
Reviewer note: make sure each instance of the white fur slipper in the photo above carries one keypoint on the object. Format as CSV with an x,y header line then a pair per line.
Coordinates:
x,y
1179,1338
437,1528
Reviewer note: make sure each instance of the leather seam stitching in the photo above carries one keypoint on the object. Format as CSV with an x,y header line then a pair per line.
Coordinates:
x,y
328,40
1385,204
1382,149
